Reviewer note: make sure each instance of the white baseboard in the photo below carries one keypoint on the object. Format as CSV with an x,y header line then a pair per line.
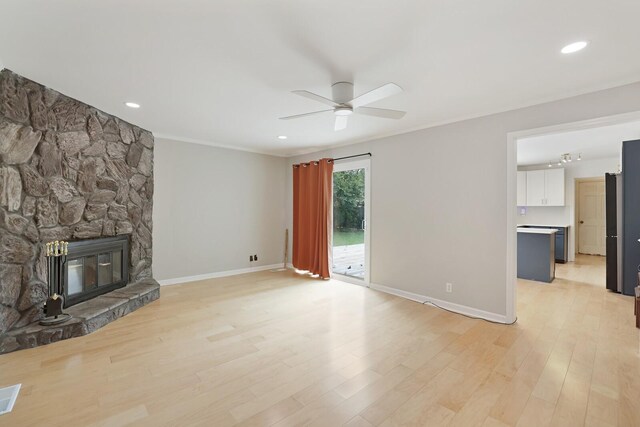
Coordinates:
x,y
458,308
217,274
347,279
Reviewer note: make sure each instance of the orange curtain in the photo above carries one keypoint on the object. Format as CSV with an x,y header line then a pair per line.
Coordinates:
x,y
312,216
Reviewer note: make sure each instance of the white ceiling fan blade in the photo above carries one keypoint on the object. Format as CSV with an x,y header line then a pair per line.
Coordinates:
x,y
380,112
297,116
376,95
315,97
341,122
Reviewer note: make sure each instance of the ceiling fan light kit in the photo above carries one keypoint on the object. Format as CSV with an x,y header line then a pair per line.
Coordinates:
x,y
343,111
344,104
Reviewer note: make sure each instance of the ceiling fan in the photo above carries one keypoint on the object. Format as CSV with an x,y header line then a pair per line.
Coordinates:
x,y
344,104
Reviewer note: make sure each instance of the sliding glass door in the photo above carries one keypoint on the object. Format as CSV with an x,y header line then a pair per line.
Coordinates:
x,y
350,215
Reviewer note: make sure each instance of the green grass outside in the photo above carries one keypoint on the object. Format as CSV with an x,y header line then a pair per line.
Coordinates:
x,y
351,237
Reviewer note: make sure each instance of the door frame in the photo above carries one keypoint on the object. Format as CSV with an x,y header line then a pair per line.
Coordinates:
x,y
345,166
512,190
576,201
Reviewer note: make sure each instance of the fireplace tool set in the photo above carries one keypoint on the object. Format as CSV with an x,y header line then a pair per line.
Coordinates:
x,y
56,253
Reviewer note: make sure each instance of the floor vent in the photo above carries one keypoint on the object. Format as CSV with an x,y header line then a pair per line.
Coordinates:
x,y
8,396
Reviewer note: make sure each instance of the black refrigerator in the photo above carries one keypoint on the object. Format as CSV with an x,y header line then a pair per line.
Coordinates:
x,y
613,213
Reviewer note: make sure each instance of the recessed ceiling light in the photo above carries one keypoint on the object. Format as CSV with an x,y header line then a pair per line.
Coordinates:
x,y
574,47
282,137
132,105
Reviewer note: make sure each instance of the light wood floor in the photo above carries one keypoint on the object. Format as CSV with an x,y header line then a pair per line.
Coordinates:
x,y
588,269
280,349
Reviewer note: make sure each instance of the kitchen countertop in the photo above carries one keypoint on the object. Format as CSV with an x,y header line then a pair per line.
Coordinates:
x,y
537,230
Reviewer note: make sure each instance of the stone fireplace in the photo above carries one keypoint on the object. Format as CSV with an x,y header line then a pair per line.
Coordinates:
x,y
68,171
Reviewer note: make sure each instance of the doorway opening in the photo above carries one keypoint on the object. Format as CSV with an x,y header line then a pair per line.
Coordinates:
x,y
583,150
351,207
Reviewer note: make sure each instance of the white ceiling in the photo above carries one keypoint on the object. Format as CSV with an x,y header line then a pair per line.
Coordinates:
x,y
221,71
597,143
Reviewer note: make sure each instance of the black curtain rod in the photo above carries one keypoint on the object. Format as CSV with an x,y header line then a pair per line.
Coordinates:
x,y
350,157
333,160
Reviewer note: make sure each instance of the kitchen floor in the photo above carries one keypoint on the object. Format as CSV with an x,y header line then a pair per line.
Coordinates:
x,y
587,269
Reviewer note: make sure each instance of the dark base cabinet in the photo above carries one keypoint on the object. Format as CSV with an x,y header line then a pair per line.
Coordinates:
x,y
536,257
562,244
562,241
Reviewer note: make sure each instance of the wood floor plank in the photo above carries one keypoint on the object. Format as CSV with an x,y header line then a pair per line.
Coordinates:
x,y
286,350
537,413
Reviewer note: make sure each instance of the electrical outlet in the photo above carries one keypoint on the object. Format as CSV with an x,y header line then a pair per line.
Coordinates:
x,y
449,287
250,258
255,257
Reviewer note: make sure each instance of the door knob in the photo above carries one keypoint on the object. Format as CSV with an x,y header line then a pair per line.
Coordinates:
x,y
581,222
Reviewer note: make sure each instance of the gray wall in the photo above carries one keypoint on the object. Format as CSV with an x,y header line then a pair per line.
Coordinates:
x,y
214,207
439,198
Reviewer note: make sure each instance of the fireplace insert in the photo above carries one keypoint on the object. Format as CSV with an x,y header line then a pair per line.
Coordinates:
x,y
95,267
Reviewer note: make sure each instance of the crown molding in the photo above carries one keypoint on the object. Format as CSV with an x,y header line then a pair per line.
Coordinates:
x,y
214,144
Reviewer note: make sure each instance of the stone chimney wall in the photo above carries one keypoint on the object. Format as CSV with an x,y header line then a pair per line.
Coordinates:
x,y
67,172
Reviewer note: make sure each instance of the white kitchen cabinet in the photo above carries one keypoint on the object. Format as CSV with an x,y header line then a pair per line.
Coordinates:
x,y
545,187
522,188
535,188
554,187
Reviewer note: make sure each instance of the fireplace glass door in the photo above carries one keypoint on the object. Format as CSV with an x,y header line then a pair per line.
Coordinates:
x,y
89,273
94,267
75,276
105,276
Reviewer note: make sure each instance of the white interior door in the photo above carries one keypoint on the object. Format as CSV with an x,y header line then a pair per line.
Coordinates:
x,y
351,227
591,218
